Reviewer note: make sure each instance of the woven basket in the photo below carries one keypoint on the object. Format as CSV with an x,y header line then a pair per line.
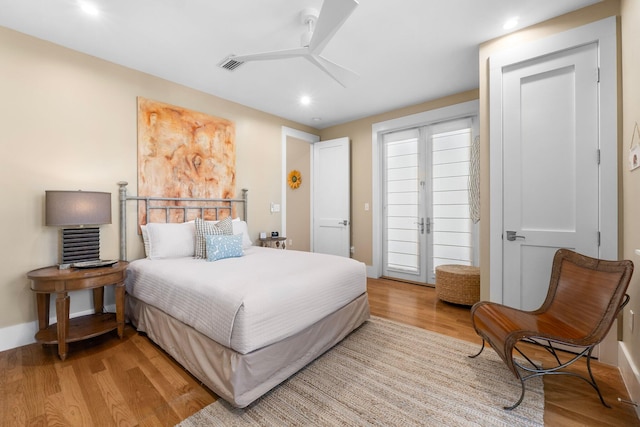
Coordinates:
x,y
459,284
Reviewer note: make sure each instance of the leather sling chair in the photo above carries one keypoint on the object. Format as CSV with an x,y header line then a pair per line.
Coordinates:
x,y
584,298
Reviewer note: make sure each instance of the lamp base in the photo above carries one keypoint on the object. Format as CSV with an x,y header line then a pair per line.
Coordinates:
x,y
80,244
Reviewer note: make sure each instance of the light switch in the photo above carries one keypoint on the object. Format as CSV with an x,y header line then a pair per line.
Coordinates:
x,y
366,206
275,207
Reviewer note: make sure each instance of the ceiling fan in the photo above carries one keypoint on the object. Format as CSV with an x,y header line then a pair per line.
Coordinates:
x,y
320,29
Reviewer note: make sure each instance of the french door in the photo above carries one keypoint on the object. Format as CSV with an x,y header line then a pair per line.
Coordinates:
x,y
426,220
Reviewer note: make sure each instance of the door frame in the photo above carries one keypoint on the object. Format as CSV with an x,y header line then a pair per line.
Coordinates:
x,y
451,112
603,33
287,132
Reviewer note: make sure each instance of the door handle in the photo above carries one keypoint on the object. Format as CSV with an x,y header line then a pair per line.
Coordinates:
x,y
344,222
421,225
511,236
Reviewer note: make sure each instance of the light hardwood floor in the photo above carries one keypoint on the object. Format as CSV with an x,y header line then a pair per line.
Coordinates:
x,y
128,382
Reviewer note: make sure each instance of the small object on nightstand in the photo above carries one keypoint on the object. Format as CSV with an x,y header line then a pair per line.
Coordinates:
x,y
94,264
274,234
263,235
274,242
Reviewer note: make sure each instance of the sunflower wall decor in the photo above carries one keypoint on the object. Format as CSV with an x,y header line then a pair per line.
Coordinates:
x,y
294,179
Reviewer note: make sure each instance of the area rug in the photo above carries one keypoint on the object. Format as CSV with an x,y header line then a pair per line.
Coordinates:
x,y
389,374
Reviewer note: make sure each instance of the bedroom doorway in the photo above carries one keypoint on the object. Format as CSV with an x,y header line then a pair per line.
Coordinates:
x,y
297,153
316,215
298,200
426,219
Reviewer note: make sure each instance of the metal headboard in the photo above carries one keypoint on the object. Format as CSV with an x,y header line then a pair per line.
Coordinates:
x,y
159,204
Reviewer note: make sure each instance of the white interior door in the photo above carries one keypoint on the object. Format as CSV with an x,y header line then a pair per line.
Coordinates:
x,y
550,167
332,197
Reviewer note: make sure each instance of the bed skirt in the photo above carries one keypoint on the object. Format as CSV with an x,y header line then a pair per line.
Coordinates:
x,y
242,378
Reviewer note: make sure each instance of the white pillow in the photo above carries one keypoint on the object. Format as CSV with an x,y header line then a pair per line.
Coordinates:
x,y
240,227
173,240
145,239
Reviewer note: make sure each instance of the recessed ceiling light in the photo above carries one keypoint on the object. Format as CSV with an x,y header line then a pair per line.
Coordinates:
x,y
316,119
305,100
511,23
89,8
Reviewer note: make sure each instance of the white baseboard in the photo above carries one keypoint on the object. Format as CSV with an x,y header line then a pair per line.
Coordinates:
x,y
24,334
630,375
17,335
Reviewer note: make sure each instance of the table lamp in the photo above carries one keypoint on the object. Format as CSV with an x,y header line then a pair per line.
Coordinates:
x,y
81,212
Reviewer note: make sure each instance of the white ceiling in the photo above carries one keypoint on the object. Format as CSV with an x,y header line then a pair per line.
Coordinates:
x,y
405,51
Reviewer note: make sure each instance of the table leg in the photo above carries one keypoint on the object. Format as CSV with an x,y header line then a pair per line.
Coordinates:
x,y
98,299
120,308
42,301
62,314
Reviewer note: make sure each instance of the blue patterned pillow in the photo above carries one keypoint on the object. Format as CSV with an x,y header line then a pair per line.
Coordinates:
x,y
221,246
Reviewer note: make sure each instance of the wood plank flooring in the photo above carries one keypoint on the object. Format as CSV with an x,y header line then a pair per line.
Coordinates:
x,y
131,382
568,401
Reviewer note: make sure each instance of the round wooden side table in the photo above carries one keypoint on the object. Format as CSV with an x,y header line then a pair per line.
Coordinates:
x,y
51,280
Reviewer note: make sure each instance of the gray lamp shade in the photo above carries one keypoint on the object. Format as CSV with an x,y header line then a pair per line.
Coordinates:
x,y
77,208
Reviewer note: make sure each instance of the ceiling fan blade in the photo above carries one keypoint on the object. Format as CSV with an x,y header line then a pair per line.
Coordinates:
x,y
332,16
338,73
277,54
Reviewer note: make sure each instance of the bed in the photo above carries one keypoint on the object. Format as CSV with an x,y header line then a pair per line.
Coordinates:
x,y
240,324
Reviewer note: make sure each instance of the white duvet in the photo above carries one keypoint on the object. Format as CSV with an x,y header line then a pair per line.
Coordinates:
x,y
252,301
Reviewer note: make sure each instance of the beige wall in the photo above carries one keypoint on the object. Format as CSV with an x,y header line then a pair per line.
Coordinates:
x,y
359,132
630,28
299,200
68,122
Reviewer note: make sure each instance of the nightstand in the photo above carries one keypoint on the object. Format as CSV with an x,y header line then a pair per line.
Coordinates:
x,y
51,280
274,242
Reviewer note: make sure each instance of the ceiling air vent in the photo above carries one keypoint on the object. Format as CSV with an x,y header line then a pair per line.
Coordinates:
x,y
229,63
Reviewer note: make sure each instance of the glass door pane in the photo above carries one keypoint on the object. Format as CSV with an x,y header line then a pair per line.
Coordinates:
x,y
452,224
403,210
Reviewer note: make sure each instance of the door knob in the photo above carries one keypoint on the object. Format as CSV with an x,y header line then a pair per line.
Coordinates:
x,y
511,236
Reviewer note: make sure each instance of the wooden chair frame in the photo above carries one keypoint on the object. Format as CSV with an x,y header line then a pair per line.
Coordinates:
x,y
584,298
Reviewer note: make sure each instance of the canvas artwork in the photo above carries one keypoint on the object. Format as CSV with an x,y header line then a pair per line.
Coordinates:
x,y
183,153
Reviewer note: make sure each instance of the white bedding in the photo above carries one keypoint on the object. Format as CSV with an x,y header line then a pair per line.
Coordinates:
x,y
249,302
